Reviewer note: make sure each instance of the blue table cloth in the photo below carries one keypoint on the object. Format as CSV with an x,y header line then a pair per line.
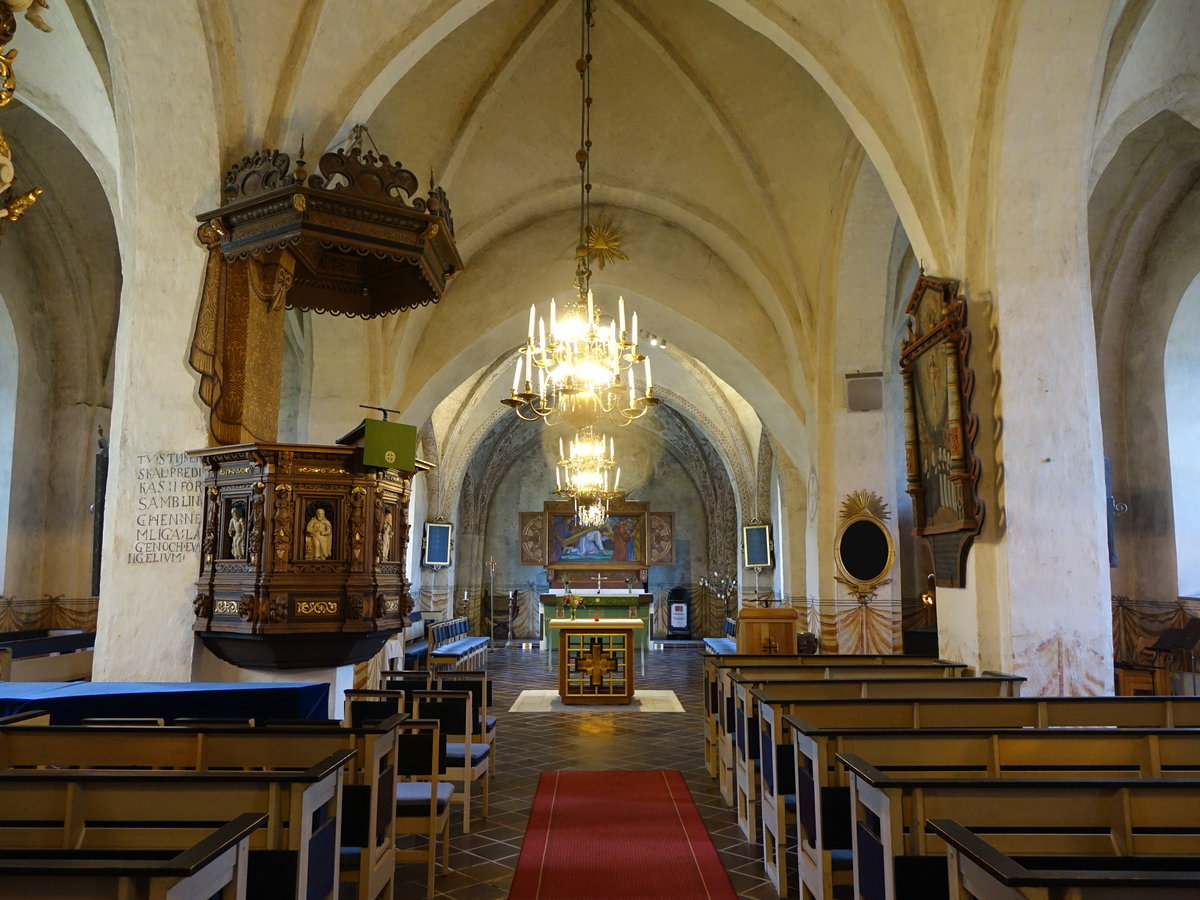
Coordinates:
x,y
69,702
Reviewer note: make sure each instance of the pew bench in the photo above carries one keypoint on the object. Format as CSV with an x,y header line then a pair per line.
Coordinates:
x,y
815,731
54,657
295,855
212,867
745,679
452,647
726,643
750,753
367,820
718,718
978,870
897,854
739,784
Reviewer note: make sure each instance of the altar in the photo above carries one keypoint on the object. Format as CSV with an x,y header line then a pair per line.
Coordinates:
x,y
595,659
602,606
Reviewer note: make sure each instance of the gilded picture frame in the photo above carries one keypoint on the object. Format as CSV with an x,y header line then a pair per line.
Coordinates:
x,y
620,544
940,428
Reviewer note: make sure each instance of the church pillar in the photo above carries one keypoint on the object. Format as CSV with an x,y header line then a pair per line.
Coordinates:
x,y
152,516
1036,601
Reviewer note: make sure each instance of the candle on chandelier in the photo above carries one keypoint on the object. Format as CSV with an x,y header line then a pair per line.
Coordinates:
x,y
617,480
557,478
610,447
589,321
542,382
560,449
621,313
541,331
633,337
552,318
532,313
649,383
517,375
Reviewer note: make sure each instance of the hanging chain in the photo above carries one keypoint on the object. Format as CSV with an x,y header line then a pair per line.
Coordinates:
x,y
583,65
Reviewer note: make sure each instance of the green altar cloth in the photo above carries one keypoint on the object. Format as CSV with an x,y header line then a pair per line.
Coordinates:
x,y
604,606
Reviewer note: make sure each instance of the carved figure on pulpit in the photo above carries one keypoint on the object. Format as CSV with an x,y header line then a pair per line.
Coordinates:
x,y
237,533
33,12
319,531
385,537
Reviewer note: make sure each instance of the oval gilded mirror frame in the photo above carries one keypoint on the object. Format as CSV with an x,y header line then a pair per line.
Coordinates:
x,y
863,548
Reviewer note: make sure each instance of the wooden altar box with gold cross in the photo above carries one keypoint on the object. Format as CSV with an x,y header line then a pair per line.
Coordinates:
x,y
595,659
768,631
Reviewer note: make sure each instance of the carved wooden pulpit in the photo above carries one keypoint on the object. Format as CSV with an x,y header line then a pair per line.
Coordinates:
x,y
302,559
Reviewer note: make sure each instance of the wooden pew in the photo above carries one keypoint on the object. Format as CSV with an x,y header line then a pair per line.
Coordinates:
x,y
897,854
294,856
368,792
978,870
745,750
818,728
214,866
56,657
717,716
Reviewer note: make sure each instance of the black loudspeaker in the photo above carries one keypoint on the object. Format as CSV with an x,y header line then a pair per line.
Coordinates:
x,y
864,391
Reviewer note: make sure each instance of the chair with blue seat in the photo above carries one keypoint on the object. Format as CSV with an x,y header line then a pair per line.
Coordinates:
x,y
480,686
423,794
467,761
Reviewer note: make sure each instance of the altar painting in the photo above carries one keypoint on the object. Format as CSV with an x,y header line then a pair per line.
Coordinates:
x,y
619,541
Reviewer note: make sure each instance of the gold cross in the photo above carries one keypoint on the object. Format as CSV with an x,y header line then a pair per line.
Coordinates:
x,y
596,663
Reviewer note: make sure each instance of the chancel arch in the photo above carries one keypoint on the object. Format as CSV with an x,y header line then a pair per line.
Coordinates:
x,y
9,362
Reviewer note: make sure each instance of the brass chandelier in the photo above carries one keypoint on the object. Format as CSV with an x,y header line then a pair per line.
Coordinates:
x,y
582,475
584,364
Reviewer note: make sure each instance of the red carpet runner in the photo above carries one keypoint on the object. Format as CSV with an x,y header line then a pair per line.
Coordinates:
x,y
617,835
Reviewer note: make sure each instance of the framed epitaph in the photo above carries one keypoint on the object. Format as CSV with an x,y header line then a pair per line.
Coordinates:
x,y
438,544
939,427
756,546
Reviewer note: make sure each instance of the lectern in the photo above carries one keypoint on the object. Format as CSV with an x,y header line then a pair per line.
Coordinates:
x,y
768,631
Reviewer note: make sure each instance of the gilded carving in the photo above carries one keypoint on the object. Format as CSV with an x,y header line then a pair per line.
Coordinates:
x,y
388,607
283,520
245,607
355,606
225,608
257,521
210,526
316,607
277,611
358,496
202,606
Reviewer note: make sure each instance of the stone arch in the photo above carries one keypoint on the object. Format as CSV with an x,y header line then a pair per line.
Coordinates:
x,y
9,361
1181,375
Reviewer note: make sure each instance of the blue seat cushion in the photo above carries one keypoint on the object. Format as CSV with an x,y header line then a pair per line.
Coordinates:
x,y
491,723
460,647
841,859
455,753
412,797
721,645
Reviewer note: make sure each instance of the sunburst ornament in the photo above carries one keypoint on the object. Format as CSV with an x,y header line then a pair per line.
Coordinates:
x,y
864,503
604,241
